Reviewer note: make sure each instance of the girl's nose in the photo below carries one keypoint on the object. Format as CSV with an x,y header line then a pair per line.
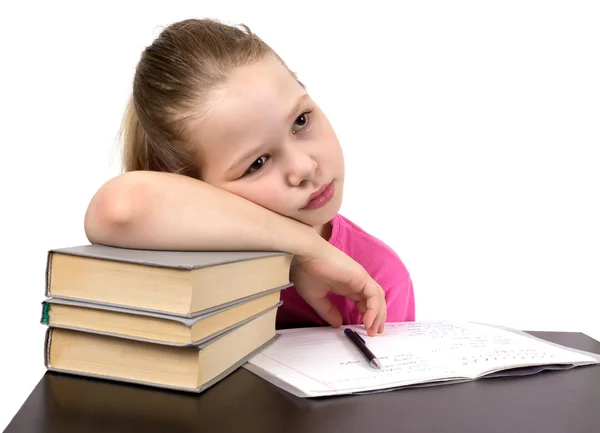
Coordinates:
x,y
301,167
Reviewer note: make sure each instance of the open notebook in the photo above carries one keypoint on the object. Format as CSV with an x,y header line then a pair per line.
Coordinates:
x,y
315,362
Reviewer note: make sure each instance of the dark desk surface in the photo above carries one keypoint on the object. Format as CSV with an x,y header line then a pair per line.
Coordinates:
x,y
548,402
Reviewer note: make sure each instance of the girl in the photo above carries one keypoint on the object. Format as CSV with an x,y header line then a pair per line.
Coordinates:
x,y
225,150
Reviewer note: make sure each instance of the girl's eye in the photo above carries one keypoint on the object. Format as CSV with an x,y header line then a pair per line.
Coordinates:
x,y
301,122
257,165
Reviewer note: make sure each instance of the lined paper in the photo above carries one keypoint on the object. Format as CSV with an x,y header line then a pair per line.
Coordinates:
x,y
323,361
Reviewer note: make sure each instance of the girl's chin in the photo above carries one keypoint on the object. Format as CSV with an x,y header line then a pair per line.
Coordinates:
x,y
318,219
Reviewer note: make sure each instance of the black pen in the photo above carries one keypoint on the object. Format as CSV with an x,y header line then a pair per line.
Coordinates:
x,y
360,343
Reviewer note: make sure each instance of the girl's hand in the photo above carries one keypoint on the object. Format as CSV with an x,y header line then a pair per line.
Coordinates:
x,y
329,269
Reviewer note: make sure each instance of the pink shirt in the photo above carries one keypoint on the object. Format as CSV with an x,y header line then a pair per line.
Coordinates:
x,y
378,259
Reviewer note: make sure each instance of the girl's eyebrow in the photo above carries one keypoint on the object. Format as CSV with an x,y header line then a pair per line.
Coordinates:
x,y
245,156
291,117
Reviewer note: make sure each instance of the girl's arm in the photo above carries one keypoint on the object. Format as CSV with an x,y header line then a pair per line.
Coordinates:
x,y
152,210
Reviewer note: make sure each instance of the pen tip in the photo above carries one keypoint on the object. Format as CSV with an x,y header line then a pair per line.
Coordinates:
x,y
375,363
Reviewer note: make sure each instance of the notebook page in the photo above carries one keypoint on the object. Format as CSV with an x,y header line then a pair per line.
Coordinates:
x,y
478,349
323,361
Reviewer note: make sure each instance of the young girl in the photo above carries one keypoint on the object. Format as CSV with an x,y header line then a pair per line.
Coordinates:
x,y
225,150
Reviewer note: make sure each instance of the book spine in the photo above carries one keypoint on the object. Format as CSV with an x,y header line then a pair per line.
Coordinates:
x,y
45,313
48,272
47,343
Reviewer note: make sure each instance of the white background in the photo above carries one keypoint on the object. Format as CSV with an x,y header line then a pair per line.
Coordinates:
x,y
471,133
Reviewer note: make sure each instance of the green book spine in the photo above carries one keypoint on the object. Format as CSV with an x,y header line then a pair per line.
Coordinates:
x,y
45,313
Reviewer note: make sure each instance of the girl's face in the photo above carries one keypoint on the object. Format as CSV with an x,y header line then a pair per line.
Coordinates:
x,y
264,139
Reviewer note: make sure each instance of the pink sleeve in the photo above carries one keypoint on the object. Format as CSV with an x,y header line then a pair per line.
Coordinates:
x,y
400,301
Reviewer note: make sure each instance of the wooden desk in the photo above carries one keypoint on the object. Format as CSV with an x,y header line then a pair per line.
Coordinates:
x,y
548,402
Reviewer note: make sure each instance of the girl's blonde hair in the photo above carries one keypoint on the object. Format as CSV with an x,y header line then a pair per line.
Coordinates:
x,y
172,79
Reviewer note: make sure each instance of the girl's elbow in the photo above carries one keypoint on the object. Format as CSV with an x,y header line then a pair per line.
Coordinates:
x,y
112,209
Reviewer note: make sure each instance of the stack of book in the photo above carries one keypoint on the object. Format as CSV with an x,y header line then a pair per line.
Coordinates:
x,y
173,319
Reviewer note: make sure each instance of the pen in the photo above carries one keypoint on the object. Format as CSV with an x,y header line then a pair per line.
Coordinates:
x,y
360,344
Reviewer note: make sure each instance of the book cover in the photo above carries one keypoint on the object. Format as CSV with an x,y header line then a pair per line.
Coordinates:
x,y
187,322
184,283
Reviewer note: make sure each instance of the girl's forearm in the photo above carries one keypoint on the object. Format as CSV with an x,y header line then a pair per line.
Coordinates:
x,y
154,210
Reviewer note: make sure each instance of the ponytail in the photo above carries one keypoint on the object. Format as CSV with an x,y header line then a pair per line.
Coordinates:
x,y
135,141
152,150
